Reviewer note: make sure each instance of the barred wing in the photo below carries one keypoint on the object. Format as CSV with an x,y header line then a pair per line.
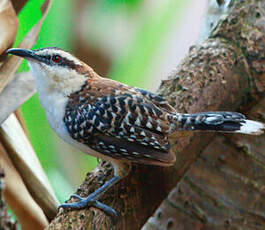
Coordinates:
x,y
124,126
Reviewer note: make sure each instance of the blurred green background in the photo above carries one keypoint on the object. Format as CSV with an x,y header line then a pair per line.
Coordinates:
x,y
132,41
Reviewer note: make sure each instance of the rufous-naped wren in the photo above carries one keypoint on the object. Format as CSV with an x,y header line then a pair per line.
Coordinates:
x,y
113,121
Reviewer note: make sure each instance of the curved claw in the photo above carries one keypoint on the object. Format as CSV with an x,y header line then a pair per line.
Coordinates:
x,y
91,199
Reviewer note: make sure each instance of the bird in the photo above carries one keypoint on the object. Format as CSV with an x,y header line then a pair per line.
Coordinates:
x,y
113,121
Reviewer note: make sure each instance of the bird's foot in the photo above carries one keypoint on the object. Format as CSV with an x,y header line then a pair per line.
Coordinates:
x,y
89,202
91,199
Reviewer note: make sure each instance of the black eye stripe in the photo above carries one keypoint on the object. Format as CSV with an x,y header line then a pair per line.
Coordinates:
x,y
44,58
47,59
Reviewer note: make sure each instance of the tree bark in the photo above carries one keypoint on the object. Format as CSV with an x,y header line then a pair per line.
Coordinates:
x,y
6,223
225,72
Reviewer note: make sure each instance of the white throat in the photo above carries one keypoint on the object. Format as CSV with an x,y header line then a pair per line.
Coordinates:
x,y
54,89
54,97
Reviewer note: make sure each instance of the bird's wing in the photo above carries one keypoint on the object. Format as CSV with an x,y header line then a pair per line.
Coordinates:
x,y
133,118
157,100
124,126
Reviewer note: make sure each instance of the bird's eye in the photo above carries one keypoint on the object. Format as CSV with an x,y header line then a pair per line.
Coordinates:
x,y
56,58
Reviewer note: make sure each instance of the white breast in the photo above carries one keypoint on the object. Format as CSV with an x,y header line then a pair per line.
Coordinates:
x,y
54,103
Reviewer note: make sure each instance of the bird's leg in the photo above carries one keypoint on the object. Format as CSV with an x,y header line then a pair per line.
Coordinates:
x,y
120,171
100,190
91,199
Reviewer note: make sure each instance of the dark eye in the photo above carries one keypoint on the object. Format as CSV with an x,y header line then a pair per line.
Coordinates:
x,y
56,58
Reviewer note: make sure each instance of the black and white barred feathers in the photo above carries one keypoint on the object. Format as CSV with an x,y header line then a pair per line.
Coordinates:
x,y
133,124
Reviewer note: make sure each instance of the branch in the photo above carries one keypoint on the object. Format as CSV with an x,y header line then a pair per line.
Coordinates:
x,y
6,222
223,73
223,188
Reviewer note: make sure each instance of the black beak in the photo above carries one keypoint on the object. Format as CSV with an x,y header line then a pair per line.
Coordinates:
x,y
27,54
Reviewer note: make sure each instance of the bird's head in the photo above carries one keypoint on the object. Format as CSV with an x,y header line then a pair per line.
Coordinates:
x,y
55,69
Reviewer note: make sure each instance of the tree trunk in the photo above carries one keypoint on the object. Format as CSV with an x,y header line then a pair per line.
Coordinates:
x,y
225,186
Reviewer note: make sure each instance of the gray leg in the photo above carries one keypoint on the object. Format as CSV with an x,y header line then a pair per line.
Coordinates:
x,y
90,200
121,170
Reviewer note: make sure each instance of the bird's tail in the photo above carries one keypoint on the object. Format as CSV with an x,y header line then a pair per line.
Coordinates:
x,y
218,121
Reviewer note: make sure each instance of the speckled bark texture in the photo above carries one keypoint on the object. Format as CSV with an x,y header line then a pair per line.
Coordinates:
x,y
6,222
223,187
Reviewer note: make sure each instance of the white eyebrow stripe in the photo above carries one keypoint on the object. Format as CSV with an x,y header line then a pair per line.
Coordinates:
x,y
62,53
